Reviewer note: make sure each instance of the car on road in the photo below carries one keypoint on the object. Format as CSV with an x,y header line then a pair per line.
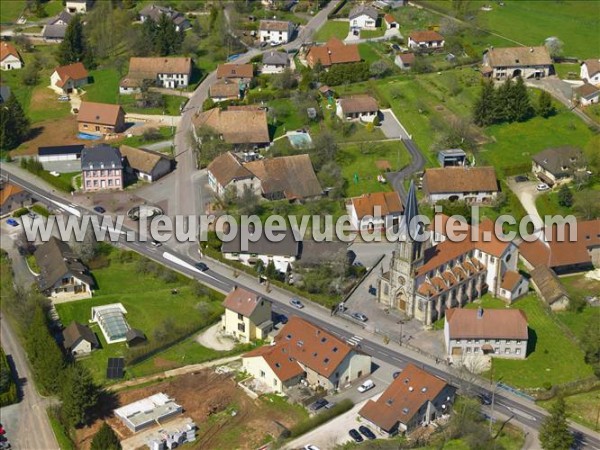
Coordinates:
x,y
155,244
395,47
318,404
367,385
521,178
355,435
360,316
542,187
485,399
295,302
311,447
31,215
201,266
99,209
12,222
366,432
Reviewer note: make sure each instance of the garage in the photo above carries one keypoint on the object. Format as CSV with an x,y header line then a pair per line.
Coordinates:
x,y
60,153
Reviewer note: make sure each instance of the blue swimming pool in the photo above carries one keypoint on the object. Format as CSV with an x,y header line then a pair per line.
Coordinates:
x,y
300,140
88,137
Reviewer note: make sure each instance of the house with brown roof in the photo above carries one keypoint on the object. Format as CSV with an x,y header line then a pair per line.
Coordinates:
x,y
589,71
374,211
275,31
567,250
510,62
167,72
145,165
245,128
415,398
587,94
247,315
10,59
236,73
154,12
548,287
474,185
65,79
390,21
405,60
79,340
472,333
100,118
12,197
226,171
331,53
275,62
558,165
224,90
360,107
304,351
426,40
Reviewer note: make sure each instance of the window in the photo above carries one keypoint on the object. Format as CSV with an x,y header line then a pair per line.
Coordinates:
x,y
118,182
334,350
240,316
497,350
476,350
88,183
507,351
468,349
274,381
262,373
110,182
242,327
517,351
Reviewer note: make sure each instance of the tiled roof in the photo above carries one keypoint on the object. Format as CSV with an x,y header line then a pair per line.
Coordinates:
x,y
101,156
242,301
287,247
75,71
333,52
100,113
222,89
510,280
519,56
367,10
486,323
76,331
237,126
443,180
389,18
235,71
426,36
555,159
149,68
141,159
226,168
276,58
548,284
359,104
593,66
388,202
56,31
7,190
55,260
274,25
6,49
407,58
587,90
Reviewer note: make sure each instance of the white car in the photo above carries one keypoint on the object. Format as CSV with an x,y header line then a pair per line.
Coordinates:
x,y
542,187
311,447
366,386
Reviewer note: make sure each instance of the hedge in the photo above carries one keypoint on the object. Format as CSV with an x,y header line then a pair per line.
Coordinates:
x,y
7,383
319,419
20,212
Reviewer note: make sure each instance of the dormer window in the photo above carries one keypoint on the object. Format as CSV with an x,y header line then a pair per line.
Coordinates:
x,y
335,349
326,360
323,340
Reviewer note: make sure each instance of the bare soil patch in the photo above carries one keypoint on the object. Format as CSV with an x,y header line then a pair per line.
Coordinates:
x,y
61,131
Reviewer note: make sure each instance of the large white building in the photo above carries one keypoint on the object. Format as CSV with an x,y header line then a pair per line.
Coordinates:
x,y
275,31
473,185
590,71
511,62
363,17
167,72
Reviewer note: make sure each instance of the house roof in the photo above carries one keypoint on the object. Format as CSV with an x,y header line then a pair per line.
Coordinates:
x,y
57,31
554,160
135,334
406,58
587,90
486,323
288,246
593,66
75,332
75,149
388,203
155,11
75,71
333,52
403,398
548,284
224,89
510,280
301,343
293,175
548,249
460,179
7,190
360,10
274,25
7,49
519,56
63,16
235,71
56,259
425,36
359,104
389,18
100,113
149,68
226,168
101,157
142,159
237,126
276,58
242,301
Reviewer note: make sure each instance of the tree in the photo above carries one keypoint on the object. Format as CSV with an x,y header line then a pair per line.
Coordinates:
x,y
14,125
485,106
167,40
545,106
565,196
554,46
590,344
587,204
190,44
522,104
105,439
285,80
87,248
324,150
79,394
31,73
72,48
379,68
554,433
248,202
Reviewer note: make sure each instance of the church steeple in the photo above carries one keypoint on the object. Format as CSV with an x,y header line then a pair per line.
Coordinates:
x,y
411,210
411,245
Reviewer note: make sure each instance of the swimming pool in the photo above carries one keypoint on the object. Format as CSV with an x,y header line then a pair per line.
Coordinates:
x,y
88,137
300,140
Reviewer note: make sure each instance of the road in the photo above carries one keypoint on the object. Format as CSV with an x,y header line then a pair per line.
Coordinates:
x,y
523,410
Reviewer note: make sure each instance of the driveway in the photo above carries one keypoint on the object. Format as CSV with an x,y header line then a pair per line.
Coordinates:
x,y
527,193
391,126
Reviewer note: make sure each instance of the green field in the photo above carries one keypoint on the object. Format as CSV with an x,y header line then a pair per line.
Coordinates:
x,y
368,53
10,10
555,358
139,141
332,28
105,86
583,408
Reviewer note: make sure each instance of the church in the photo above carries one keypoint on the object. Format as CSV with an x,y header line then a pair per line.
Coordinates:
x,y
428,276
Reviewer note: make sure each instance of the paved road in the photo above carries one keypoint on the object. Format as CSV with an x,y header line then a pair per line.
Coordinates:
x,y
527,193
523,410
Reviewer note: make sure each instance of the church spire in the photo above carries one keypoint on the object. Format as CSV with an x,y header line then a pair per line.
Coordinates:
x,y
411,210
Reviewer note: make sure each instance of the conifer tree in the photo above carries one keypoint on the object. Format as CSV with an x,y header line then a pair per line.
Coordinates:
x,y
554,433
79,394
14,124
105,439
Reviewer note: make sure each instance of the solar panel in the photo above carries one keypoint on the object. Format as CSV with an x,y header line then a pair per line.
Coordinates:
x,y
115,368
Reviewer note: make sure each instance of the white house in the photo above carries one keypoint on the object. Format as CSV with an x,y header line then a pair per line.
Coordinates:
x,y
59,153
590,71
426,40
390,22
10,59
587,94
275,31
167,72
363,108
510,62
65,79
78,6
474,185
405,60
247,315
275,62
79,340
363,17
375,211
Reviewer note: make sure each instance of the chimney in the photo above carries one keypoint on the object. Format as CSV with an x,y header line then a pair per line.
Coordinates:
x,y
410,389
480,312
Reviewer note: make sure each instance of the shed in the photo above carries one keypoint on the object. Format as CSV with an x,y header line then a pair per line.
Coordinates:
x,y
135,337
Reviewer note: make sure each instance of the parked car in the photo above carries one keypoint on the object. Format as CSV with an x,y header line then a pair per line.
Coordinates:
x,y
201,266
296,303
360,316
542,187
330,405
355,435
366,432
311,447
64,98
521,178
99,209
155,244
280,318
485,399
12,222
366,386
395,47
31,215
320,403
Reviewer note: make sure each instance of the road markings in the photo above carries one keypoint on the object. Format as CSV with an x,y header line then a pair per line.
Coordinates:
x,y
354,340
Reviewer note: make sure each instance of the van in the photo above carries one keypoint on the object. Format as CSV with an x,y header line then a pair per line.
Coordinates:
x,y
366,386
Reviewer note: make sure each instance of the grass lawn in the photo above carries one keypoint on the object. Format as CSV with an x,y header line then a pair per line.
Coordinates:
x,y
547,204
288,116
368,53
10,10
105,88
360,159
567,71
582,408
554,357
44,105
172,105
369,34
139,141
332,28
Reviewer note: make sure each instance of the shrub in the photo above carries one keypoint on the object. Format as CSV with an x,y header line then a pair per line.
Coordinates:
x,y
319,419
20,212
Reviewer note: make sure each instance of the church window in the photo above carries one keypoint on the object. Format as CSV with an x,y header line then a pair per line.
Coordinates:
x,y
386,289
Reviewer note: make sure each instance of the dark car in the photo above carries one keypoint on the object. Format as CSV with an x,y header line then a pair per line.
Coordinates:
x,y
521,178
318,404
12,222
366,432
99,209
355,435
201,266
280,318
485,399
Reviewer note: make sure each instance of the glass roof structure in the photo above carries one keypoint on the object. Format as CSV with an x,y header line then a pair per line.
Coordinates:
x,y
111,319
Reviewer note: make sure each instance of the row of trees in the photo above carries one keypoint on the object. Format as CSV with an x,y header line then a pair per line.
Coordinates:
x,y
343,73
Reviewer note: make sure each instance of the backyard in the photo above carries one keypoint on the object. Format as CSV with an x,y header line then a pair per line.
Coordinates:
x,y
332,28
583,408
